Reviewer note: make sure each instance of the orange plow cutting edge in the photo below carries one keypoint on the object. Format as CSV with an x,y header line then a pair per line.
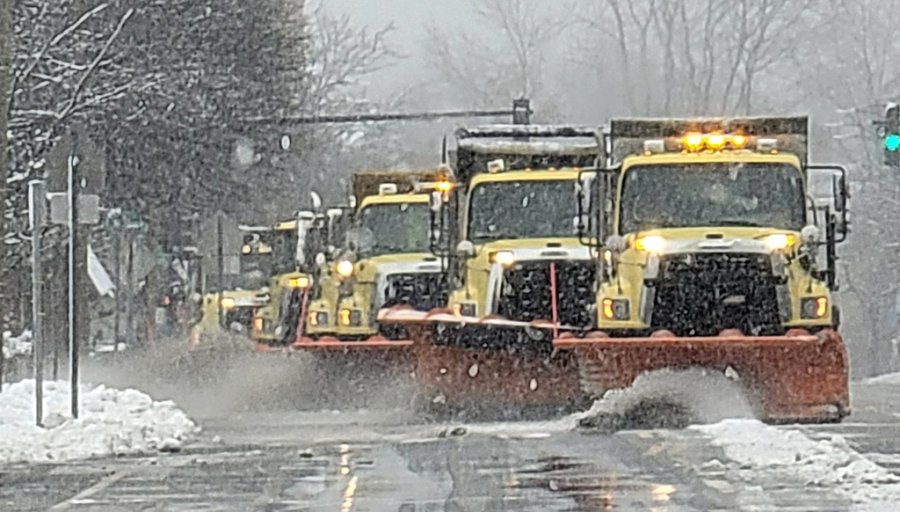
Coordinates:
x,y
333,343
798,377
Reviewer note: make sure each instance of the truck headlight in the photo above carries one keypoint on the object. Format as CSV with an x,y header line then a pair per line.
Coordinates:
x,y
814,307
298,282
779,241
616,309
503,258
344,268
651,243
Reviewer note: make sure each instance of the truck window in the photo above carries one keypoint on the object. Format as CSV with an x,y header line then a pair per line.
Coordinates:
x,y
394,228
711,194
522,209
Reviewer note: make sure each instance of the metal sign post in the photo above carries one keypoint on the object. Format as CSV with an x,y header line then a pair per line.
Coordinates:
x,y
36,197
117,282
220,264
76,171
73,271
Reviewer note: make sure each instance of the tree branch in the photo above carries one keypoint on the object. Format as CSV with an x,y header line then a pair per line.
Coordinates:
x,y
79,88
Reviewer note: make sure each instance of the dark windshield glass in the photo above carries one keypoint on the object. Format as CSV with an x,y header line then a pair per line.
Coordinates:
x,y
394,228
256,253
284,251
525,209
712,194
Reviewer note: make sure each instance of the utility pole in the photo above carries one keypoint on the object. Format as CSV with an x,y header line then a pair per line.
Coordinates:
x,y
6,53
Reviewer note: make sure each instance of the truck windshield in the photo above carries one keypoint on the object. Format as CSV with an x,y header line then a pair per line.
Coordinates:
x,y
256,268
394,228
522,209
284,251
712,194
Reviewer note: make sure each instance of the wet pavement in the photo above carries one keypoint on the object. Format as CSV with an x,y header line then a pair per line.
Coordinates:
x,y
387,460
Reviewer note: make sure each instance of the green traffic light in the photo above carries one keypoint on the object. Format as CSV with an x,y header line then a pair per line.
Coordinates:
x,y
892,142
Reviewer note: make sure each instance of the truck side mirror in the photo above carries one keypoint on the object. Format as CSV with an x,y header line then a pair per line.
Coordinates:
x,y
838,199
839,186
465,249
438,223
436,201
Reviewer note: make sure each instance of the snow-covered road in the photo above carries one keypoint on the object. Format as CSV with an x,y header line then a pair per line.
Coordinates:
x,y
387,459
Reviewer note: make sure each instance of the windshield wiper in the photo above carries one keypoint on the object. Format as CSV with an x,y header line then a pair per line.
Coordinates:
x,y
499,235
739,222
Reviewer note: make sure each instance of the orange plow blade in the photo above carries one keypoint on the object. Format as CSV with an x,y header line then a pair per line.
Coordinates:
x,y
490,379
373,360
798,377
469,369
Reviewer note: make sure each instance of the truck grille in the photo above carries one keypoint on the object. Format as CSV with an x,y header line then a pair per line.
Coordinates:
x,y
702,294
525,294
240,315
423,291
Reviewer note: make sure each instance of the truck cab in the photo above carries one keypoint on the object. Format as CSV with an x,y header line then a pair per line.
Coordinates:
x,y
387,260
713,230
275,323
517,224
517,251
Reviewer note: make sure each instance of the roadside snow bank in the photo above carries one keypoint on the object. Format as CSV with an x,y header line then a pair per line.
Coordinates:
x,y
888,378
830,463
16,345
112,422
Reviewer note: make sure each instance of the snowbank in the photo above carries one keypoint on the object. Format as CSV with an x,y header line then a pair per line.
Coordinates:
x,y
112,422
888,378
16,345
830,463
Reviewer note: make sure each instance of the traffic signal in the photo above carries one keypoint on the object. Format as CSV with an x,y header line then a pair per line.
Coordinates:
x,y
892,135
892,142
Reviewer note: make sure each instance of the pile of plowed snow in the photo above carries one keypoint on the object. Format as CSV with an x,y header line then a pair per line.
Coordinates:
x,y
828,463
670,399
111,422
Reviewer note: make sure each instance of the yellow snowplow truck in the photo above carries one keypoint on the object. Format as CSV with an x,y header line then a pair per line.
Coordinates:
x,y
712,257
387,261
319,235
515,264
263,252
295,274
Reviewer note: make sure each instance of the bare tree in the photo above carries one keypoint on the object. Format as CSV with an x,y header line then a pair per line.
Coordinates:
x,y
6,43
341,55
51,65
502,56
850,68
706,56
